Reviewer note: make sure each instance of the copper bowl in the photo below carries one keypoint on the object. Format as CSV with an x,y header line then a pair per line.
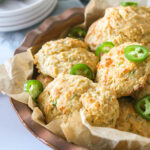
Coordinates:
x,y
50,29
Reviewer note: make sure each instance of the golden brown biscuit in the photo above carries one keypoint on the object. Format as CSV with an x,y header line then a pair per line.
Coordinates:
x,y
69,93
100,106
119,74
142,92
120,25
61,96
60,56
45,80
131,121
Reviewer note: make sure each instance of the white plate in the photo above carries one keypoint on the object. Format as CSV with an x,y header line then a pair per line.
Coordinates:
x,y
10,21
16,7
30,23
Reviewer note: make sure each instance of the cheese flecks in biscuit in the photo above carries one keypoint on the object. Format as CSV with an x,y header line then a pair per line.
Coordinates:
x,y
60,56
61,97
120,25
130,121
100,107
119,74
69,93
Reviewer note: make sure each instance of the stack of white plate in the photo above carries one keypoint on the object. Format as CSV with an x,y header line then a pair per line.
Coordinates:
x,y
20,14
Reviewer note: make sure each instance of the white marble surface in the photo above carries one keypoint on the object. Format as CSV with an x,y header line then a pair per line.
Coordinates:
x,y
13,135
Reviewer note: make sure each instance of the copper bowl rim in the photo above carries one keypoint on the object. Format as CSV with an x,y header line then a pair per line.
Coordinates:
x,y
29,40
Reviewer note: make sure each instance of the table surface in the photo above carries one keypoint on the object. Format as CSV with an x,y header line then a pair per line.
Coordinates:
x,y
13,135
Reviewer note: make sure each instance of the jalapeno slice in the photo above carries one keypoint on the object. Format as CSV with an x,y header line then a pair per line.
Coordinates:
x,y
128,4
34,88
136,53
143,107
82,69
104,48
78,33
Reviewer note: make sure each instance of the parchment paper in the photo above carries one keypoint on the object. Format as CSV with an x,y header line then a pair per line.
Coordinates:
x,y
14,73
18,69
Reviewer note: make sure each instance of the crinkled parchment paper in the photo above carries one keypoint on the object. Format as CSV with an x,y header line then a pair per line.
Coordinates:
x,y
18,69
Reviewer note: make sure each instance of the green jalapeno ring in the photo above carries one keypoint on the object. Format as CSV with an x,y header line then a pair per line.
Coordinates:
x,y
128,4
82,69
136,53
78,33
104,48
34,88
144,113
